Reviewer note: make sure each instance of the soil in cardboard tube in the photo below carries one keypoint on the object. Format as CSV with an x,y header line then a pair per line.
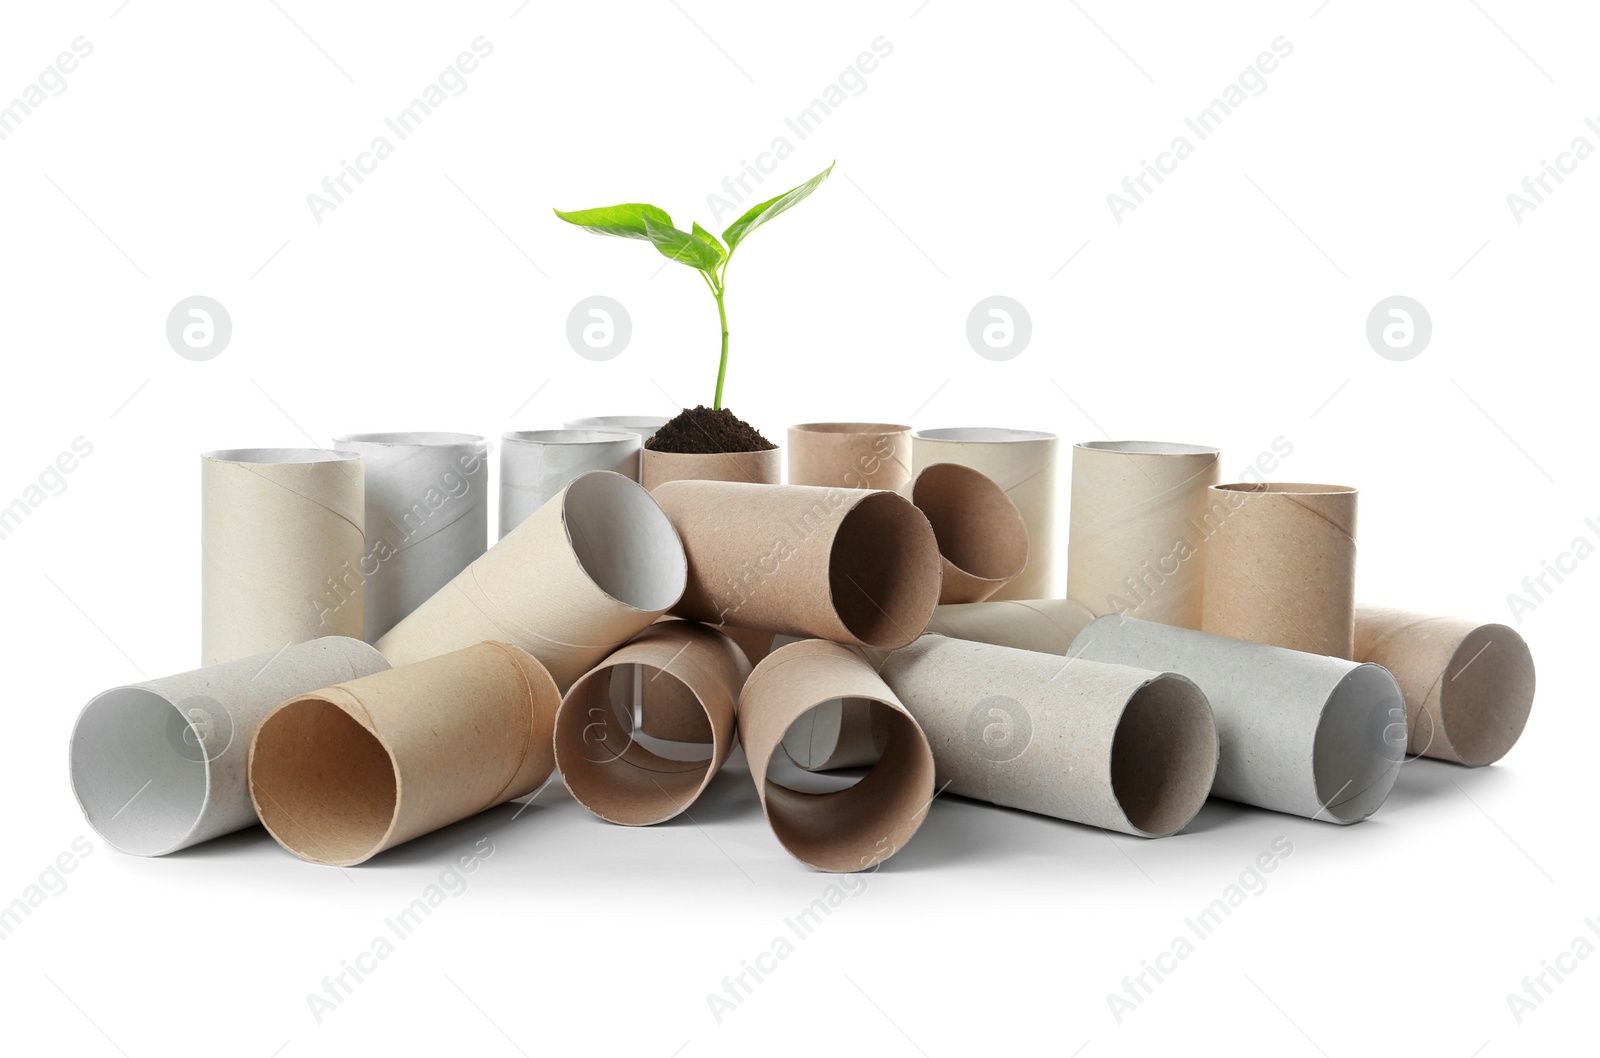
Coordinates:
x,y
705,431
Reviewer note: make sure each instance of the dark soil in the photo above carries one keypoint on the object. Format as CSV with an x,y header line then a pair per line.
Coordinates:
x,y
703,430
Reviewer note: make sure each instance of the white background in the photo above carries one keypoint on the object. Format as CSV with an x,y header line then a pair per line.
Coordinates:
x,y
1229,308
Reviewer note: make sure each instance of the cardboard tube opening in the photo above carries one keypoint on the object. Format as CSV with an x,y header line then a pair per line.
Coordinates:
x,y
643,425
1287,488
139,791
280,455
838,733
830,831
413,438
624,542
1352,780
1164,755
1486,694
325,786
1149,448
874,571
979,530
575,436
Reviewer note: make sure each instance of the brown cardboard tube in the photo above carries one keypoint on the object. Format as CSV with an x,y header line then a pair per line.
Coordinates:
x,y
850,829
850,455
612,774
666,708
1122,748
1044,625
841,733
1280,568
752,468
983,541
1136,544
1468,686
585,573
850,565
340,774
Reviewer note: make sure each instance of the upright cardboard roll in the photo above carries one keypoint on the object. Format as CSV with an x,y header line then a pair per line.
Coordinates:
x,y
537,464
850,455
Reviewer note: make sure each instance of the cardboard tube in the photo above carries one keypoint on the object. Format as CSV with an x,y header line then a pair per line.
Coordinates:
x,y
850,565
606,769
280,549
537,464
586,573
850,829
669,712
159,766
1139,522
1023,463
756,468
427,516
1468,686
1044,625
643,425
840,733
850,455
983,541
1301,733
1113,746
341,774
1280,567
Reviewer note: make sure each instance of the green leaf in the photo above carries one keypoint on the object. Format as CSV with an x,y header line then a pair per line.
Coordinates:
x,y
760,214
680,246
706,237
627,220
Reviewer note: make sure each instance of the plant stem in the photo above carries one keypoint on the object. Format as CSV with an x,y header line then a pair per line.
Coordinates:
x,y
722,364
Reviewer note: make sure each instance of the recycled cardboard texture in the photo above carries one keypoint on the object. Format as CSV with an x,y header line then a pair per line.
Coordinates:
x,y
537,464
1137,532
427,516
841,733
850,829
669,711
618,778
161,765
342,773
280,549
850,455
755,468
983,541
1468,686
849,565
588,571
1113,746
1044,625
1023,463
1306,734
1280,568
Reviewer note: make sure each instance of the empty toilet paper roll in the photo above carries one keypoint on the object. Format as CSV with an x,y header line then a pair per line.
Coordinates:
x,y
842,733
850,455
1045,625
427,516
754,468
281,545
850,565
342,773
161,765
843,830
590,569
606,769
1141,513
1468,686
983,541
1114,746
1306,734
643,425
1280,566
537,464
1023,463
668,711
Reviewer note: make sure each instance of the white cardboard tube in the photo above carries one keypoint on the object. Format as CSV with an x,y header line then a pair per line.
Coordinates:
x,y
427,516
537,464
1044,625
983,541
850,829
281,544
1023,463
1136,543
617,777
1117,747
590,569
342,773
643,425
1468,686
159,766
850,455
1307,734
